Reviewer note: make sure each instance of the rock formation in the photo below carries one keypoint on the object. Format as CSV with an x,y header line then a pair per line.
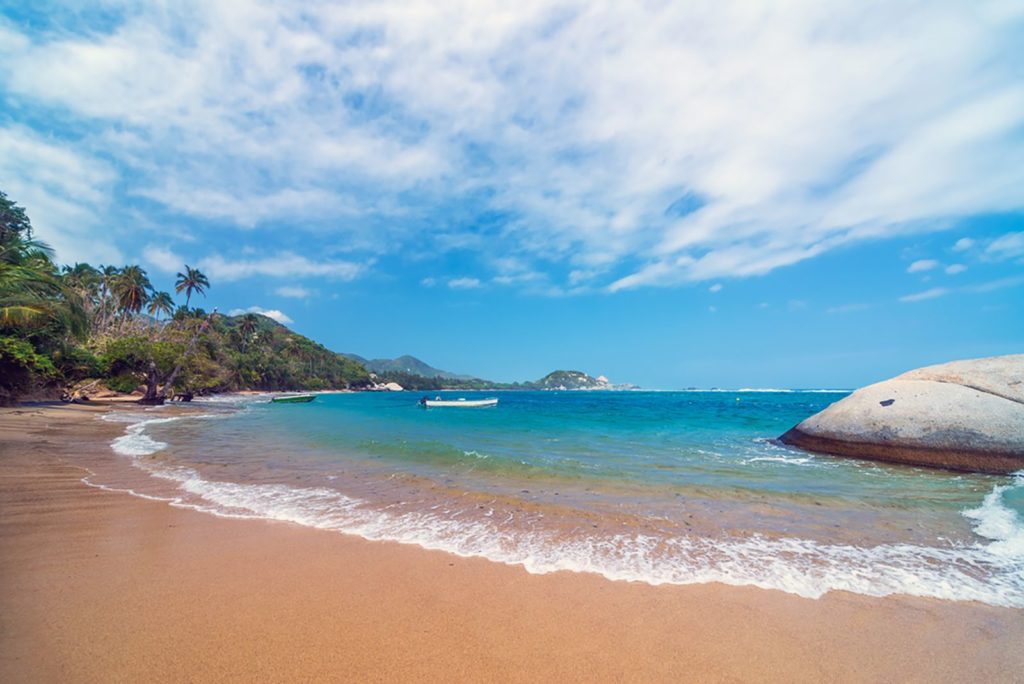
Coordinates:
x,y
963,415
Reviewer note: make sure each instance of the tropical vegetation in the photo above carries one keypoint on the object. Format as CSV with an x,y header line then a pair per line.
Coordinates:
x,y
82,327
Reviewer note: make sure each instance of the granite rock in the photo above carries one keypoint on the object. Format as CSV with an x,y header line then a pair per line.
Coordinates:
x,y
964,415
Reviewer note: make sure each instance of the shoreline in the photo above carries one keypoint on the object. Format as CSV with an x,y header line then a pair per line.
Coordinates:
x,y
100,585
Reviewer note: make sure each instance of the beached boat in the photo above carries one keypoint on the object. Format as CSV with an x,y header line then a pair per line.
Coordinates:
x,y
461,402
294,399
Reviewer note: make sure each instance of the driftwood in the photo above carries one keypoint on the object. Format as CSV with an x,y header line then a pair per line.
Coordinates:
x,y
72,395
153,396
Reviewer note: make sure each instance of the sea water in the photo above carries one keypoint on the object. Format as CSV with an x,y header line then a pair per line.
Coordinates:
x,y
657,487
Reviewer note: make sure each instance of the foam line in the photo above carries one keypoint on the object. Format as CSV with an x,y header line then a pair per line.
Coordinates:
x,y
991,571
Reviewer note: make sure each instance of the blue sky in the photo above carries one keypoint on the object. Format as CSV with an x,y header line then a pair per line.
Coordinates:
x,y
671,194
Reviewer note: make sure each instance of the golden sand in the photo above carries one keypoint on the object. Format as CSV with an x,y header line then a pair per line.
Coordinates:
x,y
103,586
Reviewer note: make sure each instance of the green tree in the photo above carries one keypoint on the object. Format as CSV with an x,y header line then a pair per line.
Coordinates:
x,y
160,303
132,288
13,220
20,366
108,275
192,280
84,280
32,295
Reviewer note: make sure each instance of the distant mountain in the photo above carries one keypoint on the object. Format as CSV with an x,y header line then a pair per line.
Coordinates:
x,y
412,373
409,365
570,380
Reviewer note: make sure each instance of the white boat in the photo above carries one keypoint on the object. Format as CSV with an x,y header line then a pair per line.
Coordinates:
x,y
461,402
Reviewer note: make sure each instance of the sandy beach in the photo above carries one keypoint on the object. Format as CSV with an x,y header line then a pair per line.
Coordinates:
x,y
103,586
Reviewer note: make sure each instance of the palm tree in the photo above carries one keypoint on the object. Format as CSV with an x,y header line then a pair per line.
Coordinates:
x,y
192,280
248,327
108,274
31,291
160,303
132,288
85,280
249,324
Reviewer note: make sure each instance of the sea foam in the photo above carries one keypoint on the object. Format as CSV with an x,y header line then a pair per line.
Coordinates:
x,y
996,521
135,441
990,571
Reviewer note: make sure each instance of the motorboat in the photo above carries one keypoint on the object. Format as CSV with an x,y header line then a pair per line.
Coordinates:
x,y
461,402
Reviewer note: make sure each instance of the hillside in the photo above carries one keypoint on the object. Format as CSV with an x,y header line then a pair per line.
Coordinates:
x,y
406,364
234,353
415,379
569,380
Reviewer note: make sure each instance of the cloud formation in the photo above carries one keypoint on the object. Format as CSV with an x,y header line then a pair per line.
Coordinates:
x,y
641,144
162,259
923,265
1008,246
275,314
933,293
464,283
294,292
284,265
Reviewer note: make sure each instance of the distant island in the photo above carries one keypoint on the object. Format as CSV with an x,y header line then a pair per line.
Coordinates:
x,y
410,373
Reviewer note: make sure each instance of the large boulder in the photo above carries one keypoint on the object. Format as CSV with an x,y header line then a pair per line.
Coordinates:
x,y
963,415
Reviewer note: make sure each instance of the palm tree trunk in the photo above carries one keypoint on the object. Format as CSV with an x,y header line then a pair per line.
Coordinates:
x,y
103,307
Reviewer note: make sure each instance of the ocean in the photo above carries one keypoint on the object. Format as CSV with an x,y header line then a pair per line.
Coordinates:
x,y
657,487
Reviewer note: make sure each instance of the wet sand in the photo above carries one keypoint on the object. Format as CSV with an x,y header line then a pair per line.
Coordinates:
x,y
103,586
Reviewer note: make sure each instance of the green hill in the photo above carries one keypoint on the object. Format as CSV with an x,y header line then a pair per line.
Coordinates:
x,y
568,380
408,365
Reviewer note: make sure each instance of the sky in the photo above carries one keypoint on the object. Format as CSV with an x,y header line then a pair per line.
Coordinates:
x,y
672,194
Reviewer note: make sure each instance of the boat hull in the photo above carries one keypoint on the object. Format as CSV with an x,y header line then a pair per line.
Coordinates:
x,y
466,403
297,399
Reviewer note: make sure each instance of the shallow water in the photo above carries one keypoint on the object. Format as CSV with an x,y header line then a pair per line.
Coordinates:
x,y
660,487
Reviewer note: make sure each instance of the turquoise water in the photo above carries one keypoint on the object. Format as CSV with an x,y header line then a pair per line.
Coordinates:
x,y
676,487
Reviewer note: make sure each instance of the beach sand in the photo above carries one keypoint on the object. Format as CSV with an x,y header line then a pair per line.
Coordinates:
x,y
104,586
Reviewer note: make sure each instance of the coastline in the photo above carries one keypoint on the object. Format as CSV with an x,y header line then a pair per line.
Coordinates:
x,y
99,585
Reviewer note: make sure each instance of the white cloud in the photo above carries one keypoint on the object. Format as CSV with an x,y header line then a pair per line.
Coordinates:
x,y
293,291
284,265
963,244
428,282
518,278
993,285
1008,246
580,275
717,287
245,211
278,316
954,269
64,192
754,135
162,259
980,288
927,294
464,283
923,265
